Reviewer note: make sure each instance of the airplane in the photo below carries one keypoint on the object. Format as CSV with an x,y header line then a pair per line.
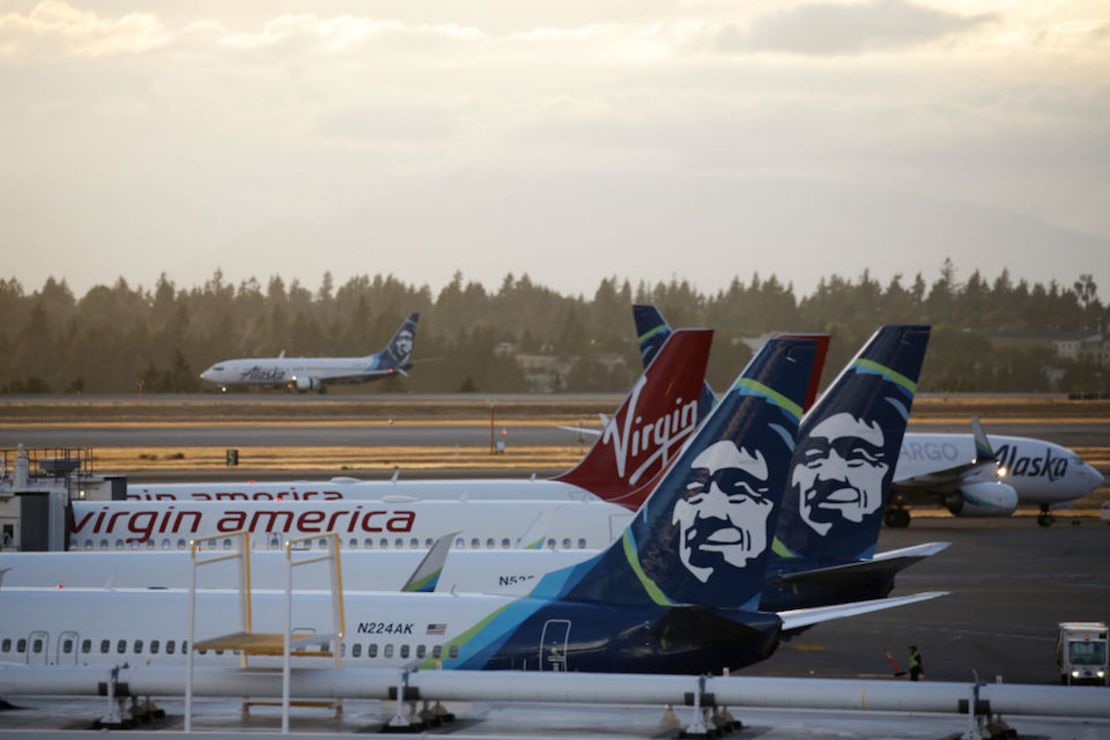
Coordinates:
x,y
655,418
950,469
676,593
822,553
304,374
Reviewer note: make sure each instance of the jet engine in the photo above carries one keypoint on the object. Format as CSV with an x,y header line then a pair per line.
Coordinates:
x,y
303,384
982,499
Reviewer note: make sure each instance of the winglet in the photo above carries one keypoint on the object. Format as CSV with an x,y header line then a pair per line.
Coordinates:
x,y
983,450
426,576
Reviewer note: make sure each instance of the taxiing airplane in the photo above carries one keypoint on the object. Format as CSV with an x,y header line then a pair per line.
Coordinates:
x,y
677,593
304,374
954,470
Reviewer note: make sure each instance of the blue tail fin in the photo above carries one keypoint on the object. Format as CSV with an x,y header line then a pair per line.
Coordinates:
x,y
704,534
652,331
398,353
848,447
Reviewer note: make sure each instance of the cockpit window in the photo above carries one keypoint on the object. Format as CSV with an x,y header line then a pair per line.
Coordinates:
x,y
218,368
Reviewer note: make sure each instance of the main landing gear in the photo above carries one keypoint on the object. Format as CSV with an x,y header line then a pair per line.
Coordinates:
x,y
1045,519
896,517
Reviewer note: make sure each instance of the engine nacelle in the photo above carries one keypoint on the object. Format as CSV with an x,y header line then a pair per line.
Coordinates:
x,y
982,499
302,383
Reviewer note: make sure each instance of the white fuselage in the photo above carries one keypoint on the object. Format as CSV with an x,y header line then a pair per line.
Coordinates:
x,y
376,525
1040,472
512,572
285,370
338,489
149,627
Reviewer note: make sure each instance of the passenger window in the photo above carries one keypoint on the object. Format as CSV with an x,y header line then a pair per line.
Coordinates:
x,y
138,647
227,543
154,646
105,646
121,647
86,646
368,543
505,543
399,542
490,543
437,651
383,542
429,542
184,646
165,544
356,651
119,544
460,542
372,650
21,646
421,651
323,543
67,646
414,542
551,543
388,652
169,647
36,646
581,543
219,652
453,652
104,544
475,543
353,542
404,651
566,543
181,544
6,645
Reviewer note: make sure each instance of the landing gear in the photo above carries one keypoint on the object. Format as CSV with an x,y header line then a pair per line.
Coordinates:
x,y
896,517
1046,519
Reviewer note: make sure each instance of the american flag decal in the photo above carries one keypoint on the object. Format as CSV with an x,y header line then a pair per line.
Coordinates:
x,y
436,629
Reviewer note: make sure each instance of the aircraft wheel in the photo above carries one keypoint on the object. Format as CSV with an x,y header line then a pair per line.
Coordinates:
x,y
1046,520
897,518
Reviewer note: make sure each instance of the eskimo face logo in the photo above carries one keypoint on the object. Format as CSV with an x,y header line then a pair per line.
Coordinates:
x,y
840,477
722,515
404,343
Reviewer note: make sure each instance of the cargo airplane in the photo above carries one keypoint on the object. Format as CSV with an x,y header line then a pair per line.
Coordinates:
x,y
957,471
304,374
677,592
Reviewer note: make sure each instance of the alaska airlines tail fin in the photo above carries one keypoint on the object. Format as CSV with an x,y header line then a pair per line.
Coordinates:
x,y
848,448
655,419
703,535
397,355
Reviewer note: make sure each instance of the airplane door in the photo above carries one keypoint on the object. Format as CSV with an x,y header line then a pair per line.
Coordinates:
x,y
553,645
67,648
37,647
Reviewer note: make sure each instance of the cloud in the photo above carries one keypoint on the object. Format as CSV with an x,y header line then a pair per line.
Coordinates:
x,y
394,123
836,28
54,24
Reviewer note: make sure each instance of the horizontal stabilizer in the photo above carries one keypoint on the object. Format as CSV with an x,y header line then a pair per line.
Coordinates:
x,y
798,618
583,430
892,562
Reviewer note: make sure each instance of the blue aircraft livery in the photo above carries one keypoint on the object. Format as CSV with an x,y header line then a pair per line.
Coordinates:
x,y
848,449
398,353
675,594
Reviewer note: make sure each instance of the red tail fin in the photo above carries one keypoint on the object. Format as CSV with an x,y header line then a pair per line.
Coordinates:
x,y
655,419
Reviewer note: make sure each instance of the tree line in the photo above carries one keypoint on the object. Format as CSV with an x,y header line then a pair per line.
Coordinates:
x,y
989,334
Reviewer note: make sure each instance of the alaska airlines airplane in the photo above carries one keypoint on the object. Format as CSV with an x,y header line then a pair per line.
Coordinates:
x,y
823,550
949,469
316,373
677,593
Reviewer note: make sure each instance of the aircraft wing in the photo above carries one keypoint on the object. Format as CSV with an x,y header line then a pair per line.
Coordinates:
x,y
892,562
794,619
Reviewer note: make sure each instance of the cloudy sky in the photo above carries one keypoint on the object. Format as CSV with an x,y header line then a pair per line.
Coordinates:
x,y
571,140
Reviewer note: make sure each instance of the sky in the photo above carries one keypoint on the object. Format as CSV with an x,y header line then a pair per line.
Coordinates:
x,y
570,140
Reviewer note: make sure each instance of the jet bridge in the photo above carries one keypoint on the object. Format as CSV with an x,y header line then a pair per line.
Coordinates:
x,y
37,488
